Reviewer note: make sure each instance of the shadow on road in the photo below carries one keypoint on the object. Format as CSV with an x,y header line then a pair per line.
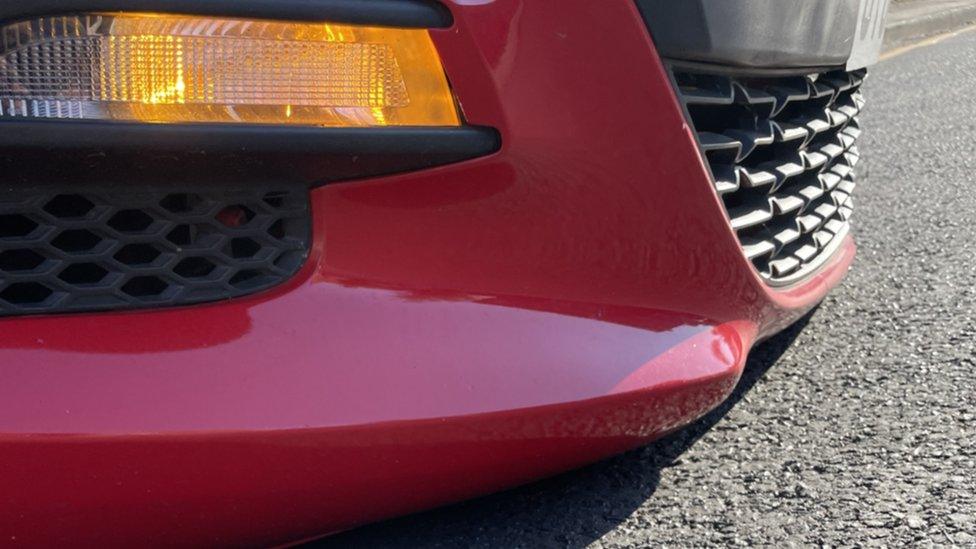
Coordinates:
x,y
570,510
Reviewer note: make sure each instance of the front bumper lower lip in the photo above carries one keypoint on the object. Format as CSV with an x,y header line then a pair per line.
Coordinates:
x,y
208,457
272,486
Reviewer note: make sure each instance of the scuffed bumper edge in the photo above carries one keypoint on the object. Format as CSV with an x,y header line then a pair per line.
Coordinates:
x,y
266,486
211,483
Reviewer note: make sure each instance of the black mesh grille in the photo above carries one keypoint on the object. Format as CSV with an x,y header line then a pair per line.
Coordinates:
x,y
782,154
83,250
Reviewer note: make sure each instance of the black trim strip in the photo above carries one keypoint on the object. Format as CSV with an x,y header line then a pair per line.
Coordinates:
x,y
98,151
57,135
755,72
393,13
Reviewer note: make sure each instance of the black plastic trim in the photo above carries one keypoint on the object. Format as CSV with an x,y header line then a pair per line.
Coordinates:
x,y
93,151
145,246
461,141
393,13
747,72
754,34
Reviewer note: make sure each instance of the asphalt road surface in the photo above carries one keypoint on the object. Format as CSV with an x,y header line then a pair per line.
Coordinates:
x,y
855,427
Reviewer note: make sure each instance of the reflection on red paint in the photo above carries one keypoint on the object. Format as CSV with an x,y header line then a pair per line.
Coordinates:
x,y
454,331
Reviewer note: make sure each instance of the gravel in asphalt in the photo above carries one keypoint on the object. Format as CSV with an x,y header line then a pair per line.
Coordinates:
x,y
854,427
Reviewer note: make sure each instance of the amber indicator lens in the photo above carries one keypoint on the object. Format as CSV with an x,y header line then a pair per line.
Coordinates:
x,y
173,68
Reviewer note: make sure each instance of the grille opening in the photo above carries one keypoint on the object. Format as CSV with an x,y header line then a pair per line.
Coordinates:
x,y
137,254
794,186
13,226
144,286
123,247
275,200
69,206
130,221
800,111
235,216
793,247
820,140
282,229
716,118
764,155
755,232
277,229
759,263
76,240
182,235
194,267
83,274
847,98
746,198
703,85
782,154
244,248
20,260
26,293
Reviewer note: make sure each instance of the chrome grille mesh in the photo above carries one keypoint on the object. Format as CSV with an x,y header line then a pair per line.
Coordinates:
x,y
782,154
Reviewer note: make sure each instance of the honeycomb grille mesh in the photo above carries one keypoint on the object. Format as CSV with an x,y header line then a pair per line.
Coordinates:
x,y
64,250
782,154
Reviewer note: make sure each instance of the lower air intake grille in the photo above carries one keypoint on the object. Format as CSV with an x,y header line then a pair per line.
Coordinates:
x,y
782,155
64,250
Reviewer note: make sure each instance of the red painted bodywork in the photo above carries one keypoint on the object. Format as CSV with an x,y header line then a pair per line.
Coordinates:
x,y
455,331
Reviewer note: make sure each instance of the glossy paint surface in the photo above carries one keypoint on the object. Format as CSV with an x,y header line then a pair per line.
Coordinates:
x,y
455,331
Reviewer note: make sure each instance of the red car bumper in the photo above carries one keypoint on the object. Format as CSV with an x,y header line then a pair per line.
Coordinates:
x,y
454,331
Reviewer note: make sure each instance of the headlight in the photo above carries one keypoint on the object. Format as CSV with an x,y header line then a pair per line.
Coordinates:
x,y
173,68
